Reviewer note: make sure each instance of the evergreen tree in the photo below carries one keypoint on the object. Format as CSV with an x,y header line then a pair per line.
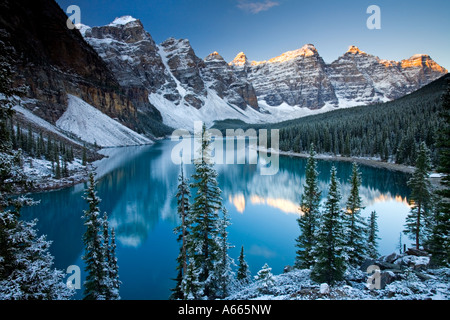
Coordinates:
x,y
355,224
112,282
177,291
439,241
243,273
84,156
7,101
30,142
204,246
437,234
330,263
26,271
114,267
372,236
421,195
265,279
58,167
191,287
94,256
310,214
25,261
223,272
183,208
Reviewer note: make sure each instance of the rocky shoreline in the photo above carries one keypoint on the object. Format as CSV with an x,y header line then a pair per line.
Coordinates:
x,y
377,163
407,276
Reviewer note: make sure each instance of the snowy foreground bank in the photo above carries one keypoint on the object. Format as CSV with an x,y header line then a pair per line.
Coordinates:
x,y
402,277
40,173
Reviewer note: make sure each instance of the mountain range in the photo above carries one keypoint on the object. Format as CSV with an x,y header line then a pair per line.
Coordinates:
x,y
184,87
154,88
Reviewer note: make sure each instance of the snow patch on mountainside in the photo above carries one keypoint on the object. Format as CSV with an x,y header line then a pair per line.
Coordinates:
x,y
41,122
93,126
183,116
122,20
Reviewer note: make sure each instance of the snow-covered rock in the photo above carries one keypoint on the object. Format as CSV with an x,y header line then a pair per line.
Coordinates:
x,y
416,262
297,285
93,126
324,288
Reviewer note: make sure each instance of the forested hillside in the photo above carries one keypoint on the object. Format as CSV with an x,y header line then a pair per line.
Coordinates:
x,y
390,131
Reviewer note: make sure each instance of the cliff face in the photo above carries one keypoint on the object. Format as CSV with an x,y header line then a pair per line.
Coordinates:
x,y
120,70
171,69
53,61
361,78
297,78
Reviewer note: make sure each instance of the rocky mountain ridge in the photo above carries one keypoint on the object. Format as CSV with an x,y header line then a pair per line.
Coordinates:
x,y
285,87
51,61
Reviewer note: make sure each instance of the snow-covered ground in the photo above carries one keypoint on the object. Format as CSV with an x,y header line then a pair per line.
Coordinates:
x,y
297,285
93,126
41,173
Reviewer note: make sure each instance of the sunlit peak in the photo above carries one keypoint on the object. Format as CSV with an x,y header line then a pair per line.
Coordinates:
x,y
307,50
240,60
355,50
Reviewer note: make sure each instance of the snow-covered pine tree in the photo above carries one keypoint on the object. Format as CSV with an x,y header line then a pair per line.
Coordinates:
x,y
329,252
94,255
243,273
7,93
439,240
111,279
183,208
26,271
436,234
25,261
421,195
310,214
204,246
223,267
372,236
265,279
11,174
114,268
355,224
191,287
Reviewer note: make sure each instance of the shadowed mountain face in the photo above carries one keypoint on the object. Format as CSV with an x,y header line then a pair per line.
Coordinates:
x,y
53,61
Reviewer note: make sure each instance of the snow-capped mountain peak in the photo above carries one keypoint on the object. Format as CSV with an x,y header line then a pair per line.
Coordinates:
x,y
82,28
308,50
240,60
122,21
184,87
215,56
355,50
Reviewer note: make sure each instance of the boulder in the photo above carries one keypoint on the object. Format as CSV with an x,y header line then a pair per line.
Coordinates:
x,y
367,263
386,265
387,277
416,252
324,288
288,269
416,262
391,258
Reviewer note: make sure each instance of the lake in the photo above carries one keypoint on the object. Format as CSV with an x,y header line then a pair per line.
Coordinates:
x,y
137,186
